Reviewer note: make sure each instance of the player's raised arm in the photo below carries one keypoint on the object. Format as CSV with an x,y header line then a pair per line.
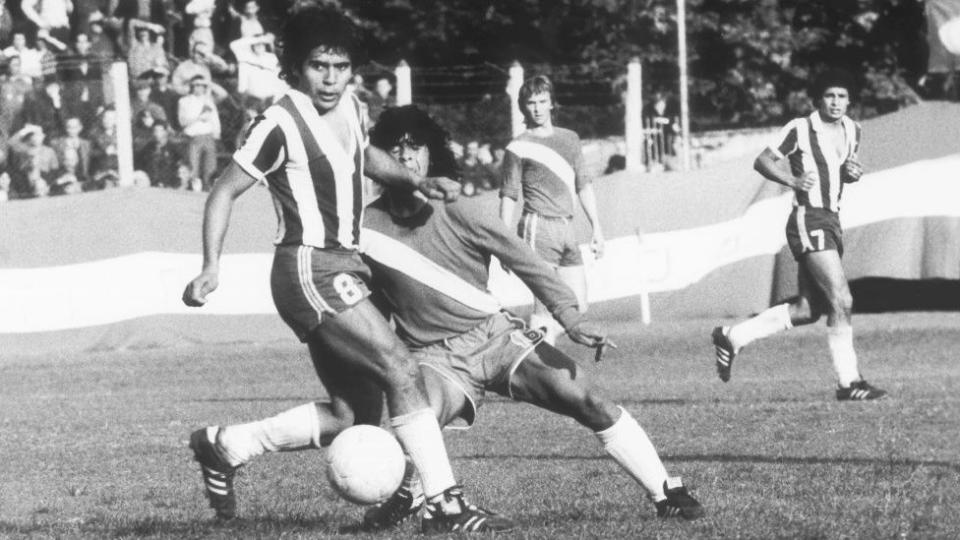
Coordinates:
x,y
382,167
216,219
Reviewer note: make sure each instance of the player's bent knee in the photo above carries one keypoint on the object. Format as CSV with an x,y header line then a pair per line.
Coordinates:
x,y
804,311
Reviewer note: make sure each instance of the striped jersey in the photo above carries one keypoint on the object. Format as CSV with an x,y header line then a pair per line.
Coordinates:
x,y
432,269
547,171
805,143
316,180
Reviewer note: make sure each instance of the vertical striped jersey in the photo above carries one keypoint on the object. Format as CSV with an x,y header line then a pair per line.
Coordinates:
x,y
432,268
315,177
807,146
550,172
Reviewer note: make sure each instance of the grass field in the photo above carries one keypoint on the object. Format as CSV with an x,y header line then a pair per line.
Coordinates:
x,y
94,446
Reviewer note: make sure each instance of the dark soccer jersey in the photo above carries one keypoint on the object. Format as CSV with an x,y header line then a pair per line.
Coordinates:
x,y
315,181
432,269
550,174
804,143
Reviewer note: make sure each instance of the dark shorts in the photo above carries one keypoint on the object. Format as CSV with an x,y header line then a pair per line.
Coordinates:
x,y
481,359
552,238
309,284
813,229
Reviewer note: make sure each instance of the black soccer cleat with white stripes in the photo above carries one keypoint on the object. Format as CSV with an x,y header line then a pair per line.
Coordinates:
x,y
859,391
723,352
678,503
217,473
452,514
391,513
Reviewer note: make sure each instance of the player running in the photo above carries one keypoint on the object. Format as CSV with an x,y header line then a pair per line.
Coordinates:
x,y
545,165
430,268
821,150
310,148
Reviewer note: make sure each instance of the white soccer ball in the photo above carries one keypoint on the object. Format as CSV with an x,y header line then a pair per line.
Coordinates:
x,y
365,464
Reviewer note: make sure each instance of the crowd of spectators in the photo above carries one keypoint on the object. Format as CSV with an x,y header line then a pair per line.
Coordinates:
x,y
199,70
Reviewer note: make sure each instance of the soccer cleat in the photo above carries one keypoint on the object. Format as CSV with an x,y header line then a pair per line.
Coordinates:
x,y
392,512
859,391
678,501
451,513
724,352
217,473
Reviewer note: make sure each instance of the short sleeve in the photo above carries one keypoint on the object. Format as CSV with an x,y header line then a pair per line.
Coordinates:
x,y
786,141
263,151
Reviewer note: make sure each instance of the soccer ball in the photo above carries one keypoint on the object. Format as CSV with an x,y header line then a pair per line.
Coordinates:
x,y
365,464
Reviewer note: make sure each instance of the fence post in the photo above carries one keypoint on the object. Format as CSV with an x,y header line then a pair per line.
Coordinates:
x,y
404,92
634,119
513,90
121,102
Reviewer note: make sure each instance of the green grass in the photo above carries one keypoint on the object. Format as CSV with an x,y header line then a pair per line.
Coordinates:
x,y
94,446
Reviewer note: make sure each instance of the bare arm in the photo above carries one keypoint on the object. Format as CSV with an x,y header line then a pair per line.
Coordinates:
x,y
29,8
216,219
588,199
770,166
381,166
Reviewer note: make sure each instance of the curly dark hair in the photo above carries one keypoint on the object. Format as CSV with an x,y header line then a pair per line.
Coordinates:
x,y
397,122
314,27
833,77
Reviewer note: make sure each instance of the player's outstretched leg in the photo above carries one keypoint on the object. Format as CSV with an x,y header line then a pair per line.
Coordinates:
x,y
450,512
405,502
552,380
217,472
723,352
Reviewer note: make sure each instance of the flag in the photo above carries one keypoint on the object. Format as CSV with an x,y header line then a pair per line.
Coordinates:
x,y
943,35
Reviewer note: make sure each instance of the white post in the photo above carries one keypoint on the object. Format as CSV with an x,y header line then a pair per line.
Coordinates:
x,y
121,102
684,94
404,92
513,90
634,119
642,279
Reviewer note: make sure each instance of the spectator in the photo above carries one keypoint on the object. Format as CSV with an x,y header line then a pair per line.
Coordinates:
x,y
142,131
146,50
72,142
381,98
66,180
103,159
82,76
161,158
201,62
30,60
45,107
143,100
14,89
201,125
497,152
473,171
660,115
49,49
162,94
258,69
154,11
31,163
202,11
52,17
102,46
245,24
6,22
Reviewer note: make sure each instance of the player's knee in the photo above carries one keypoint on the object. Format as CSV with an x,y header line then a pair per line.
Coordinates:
x,y
594,411
399,370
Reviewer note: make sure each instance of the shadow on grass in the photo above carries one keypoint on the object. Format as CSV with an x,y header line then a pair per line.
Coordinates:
x,y
728,458
97,527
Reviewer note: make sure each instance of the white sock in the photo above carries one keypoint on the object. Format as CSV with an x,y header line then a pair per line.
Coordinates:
x,y
840,341
411,480
293,429
419,433
629,445
765,323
